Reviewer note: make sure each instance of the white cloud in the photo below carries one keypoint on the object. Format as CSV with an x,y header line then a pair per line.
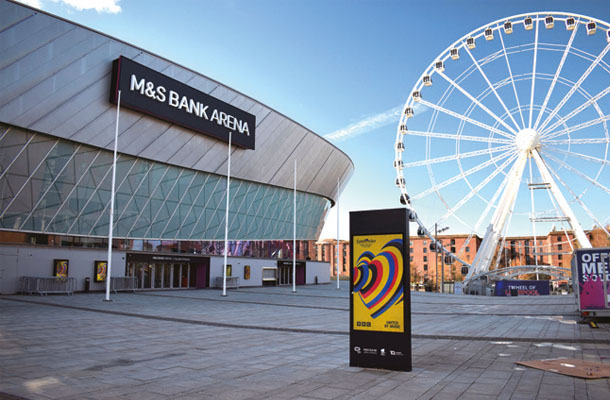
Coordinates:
x,y
31,3
101,6
109,6
388,117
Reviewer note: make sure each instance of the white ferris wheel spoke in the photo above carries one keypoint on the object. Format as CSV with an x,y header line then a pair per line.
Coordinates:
x,y
561,201
491,86
512,80
461,175
478,103
579,155
460,137
575,87
577,172
577,199
556,77
577,141
533,210
478,188
571,114
529,122
465,118
575,128
457,156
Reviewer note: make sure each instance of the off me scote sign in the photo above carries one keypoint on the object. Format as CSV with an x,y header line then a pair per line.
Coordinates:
x,y
150,92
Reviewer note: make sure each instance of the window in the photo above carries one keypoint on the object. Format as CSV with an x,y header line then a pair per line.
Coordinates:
x,y
411,258
425,250
425,259
453,242
425,267
411,243
560,256
425,243
467,249
558,247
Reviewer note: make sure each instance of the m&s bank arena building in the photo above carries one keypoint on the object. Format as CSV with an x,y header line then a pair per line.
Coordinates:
x,y
59,88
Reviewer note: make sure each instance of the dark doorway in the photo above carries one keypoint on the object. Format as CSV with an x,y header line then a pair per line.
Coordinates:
x,y
285,272
203,274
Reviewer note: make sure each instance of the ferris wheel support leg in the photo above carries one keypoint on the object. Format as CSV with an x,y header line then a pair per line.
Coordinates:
x,y
561,201
488,246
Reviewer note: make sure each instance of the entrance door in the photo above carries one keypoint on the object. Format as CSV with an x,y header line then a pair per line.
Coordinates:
x,y
202,272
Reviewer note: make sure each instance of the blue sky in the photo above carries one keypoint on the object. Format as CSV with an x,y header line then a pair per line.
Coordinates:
x,y
333,66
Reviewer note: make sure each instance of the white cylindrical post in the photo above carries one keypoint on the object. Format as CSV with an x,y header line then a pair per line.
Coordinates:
x,y
224,269
294,231
337,256
116,141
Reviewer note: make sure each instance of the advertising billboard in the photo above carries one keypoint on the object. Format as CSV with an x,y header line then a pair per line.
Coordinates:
x,y
380,302
522,288
591,281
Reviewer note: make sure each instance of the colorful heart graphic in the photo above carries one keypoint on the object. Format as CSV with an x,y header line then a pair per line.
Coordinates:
x,y
378,278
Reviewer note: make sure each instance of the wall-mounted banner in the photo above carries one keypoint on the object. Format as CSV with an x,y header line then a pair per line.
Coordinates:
x,y
150,92
380,302
590,274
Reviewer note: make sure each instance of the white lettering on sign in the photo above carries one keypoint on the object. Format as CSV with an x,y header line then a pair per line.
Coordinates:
x,y
191,106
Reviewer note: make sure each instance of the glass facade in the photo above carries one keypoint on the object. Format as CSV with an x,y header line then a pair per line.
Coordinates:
x,y
55,186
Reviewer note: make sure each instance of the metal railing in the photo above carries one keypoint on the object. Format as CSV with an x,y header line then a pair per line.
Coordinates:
x,y
123,283
232,282
45,285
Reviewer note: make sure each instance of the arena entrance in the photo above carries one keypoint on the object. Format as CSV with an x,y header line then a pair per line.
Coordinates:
x,y
162,271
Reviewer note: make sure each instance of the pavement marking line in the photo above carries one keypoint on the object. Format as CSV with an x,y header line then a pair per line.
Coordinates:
x,y
341,309
309,331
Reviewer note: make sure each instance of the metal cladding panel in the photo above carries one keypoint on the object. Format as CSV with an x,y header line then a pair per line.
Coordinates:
x,y
55,78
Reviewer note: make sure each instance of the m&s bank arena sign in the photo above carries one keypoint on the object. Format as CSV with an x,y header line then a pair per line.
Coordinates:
x,y
152,93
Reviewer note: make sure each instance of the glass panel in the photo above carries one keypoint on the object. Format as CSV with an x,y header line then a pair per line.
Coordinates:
x,y
167,281
177,275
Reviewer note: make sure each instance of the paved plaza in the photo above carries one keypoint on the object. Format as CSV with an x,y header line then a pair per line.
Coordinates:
x,y
269,343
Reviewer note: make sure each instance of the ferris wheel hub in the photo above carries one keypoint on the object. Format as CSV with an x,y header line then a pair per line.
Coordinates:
x,y
527,139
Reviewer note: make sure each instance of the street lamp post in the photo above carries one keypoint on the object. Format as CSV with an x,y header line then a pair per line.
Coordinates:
x,y
436,232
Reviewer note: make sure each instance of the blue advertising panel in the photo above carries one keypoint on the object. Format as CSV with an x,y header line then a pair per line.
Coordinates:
x,y
522,288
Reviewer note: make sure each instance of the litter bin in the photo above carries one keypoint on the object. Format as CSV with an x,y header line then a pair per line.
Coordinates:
x,y
87,284
316,279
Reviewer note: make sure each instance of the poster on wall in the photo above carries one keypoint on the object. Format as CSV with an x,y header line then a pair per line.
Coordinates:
x,y
591,281
380,302
60,268
246,272
101,268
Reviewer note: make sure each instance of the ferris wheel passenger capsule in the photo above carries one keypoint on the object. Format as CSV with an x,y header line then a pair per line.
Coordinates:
x,y
405,199
427,80
409,112
400,146
400,181
528,23
398,164
591,28
608,35
439,66
413,216
403,129
570,23
455,54
421,231
489,34
508,27
549,22
416,95
470,43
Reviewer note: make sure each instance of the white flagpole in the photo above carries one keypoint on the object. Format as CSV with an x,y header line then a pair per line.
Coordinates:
x,y
294,231
224,270
116,141
337,259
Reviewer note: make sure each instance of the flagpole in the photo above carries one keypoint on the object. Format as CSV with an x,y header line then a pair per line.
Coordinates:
x,y
224,270
337,258
294,231
116,140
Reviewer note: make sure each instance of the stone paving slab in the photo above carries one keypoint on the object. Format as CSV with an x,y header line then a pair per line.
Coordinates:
x,y
269,343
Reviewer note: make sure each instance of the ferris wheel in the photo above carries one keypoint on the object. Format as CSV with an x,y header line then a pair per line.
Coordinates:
x,y
506,133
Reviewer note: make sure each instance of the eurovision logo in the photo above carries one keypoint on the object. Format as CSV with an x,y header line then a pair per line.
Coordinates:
x,y
378,278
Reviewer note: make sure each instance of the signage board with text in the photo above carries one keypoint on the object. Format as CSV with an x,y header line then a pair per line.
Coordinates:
x,y
380,302
590,273
150,92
